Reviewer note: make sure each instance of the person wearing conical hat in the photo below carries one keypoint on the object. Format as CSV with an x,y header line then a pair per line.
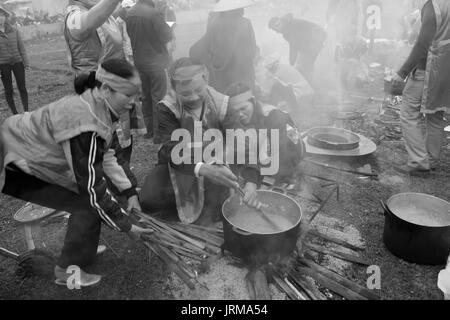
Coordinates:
x,y
230,44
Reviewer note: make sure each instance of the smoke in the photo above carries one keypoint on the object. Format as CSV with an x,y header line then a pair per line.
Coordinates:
x,y
388,50
51,6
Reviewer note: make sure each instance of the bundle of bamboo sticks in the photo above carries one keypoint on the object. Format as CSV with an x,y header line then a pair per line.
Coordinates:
x,y
182,247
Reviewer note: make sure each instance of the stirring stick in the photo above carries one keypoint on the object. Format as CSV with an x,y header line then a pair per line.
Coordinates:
x,y
262,213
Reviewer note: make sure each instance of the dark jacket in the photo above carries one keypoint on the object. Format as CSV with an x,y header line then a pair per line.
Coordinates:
x,y
149,35
231,46
268,117
12,50
303,36
88,153
419,54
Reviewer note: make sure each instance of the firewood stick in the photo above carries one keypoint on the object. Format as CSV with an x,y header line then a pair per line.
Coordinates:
x,y
209,238
197,227
306,288
331,284
285,288
179,243
175,233
338,278
213,249
189,255
179,248
337,254
290,285
317,233
181,264
326,165
296,291
324,202
173,267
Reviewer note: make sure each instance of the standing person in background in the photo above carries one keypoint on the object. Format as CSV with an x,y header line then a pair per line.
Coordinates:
x,y
150,36
426,96
230,45
93,36
122,15
171,19
167,12
13,59
306,40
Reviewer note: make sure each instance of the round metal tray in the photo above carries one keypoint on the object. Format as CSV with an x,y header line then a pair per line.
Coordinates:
x,y
32,212
333,138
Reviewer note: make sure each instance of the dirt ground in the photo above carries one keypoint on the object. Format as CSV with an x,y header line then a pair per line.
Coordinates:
x,y
129,272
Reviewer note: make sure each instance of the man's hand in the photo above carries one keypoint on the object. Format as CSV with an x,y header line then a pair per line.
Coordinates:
x,y
133,203
219,175
251,196
136,232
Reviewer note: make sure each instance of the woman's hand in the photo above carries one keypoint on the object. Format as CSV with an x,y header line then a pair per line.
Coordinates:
x,y
133,203
251,196
397,80
136,232
219,175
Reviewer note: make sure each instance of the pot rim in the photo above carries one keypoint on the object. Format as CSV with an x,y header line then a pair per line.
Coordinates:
x,y
323,129
267,234
415,194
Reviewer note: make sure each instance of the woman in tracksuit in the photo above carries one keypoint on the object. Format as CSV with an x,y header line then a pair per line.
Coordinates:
x,y
58,156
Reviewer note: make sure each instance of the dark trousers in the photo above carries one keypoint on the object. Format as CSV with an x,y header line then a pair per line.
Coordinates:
x,y
306,62
19,73
154,88
83,231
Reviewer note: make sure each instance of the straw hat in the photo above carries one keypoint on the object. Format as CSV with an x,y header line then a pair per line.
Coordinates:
x,y
229,5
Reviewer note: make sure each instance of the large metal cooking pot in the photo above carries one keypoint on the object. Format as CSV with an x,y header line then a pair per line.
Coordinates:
x,y
333,138
417,228
248,236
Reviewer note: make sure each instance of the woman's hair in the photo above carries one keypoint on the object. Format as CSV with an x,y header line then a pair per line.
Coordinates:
x,y
237,88
119,67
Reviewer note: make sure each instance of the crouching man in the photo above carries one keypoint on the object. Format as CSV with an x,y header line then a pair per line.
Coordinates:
x,y
193,188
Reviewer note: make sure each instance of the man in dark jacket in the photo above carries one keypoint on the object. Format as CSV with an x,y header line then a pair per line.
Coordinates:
x,y
305,39
150,35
